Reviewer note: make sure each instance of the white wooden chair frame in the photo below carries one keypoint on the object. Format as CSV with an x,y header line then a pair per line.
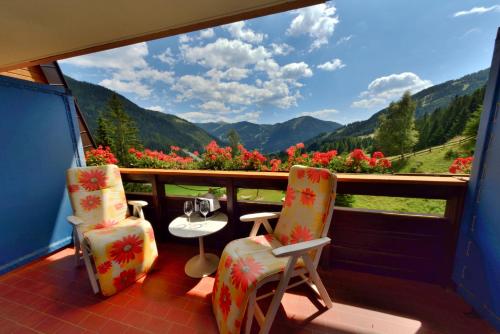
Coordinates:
x,y
82,248
308,274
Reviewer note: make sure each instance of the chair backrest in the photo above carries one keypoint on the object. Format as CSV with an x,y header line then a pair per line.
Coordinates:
x,y
97,195
308,206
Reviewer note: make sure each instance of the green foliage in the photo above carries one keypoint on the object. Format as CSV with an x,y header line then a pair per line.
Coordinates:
x,y
117,130
471,128
450,121
396,133
233,138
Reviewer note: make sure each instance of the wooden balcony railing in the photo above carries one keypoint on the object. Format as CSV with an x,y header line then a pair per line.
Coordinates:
x,y
409,245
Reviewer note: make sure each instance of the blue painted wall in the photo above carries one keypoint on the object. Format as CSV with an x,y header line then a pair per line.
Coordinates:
x,y
477,265
39,140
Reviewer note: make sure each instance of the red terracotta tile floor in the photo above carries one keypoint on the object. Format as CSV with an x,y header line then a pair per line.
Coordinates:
x,y
54,296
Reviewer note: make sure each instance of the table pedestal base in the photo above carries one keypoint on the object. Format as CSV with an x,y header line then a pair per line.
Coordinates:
x,y
201,265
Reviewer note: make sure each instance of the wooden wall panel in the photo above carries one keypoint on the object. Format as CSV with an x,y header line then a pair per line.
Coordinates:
x,y
33,74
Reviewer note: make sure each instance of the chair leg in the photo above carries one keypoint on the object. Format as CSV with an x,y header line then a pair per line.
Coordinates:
x,y
278,295
90,269
250,311
76,243
317,281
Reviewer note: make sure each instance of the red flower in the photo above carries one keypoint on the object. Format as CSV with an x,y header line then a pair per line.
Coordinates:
x,y
73,188
104,267
244,272
358,154
300,233
307,197
284,239
314,175
90,202
373,162
93,179
126,278
289,197
123,251
225,300
299,145
377,155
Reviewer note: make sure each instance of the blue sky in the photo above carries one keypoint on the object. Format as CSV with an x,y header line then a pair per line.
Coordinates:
x,y
340,61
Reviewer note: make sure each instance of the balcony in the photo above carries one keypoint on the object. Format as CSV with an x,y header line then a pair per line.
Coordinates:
x,y
393,277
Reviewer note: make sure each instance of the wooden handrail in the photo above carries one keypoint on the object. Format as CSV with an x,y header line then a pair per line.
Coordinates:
x,y
342,177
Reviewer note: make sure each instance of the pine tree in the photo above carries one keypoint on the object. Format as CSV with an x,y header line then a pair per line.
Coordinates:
x,y
104,132
471,128
396,133
234,139
117,130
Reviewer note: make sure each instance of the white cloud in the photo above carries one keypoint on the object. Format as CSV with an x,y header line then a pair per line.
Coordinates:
x,y
389,88
317,21
273,92
295,71
166,57
238,31
184,39
324,114
207,33
156,108
334,64
477,10
281,49
233,73
127,67
344,39
127,56
214,106
224,53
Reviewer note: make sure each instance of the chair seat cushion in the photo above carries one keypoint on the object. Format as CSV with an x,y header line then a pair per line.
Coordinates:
x,y
244,263
122,253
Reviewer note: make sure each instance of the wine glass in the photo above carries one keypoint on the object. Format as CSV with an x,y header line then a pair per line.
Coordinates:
x,y
188,209
204,208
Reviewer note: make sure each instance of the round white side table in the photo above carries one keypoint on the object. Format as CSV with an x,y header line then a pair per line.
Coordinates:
x,y
202,264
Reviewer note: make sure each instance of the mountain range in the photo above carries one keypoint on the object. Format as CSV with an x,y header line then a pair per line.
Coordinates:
x,y
270,138
427,100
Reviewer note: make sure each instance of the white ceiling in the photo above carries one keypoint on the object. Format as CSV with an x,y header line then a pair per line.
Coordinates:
x,y
34,31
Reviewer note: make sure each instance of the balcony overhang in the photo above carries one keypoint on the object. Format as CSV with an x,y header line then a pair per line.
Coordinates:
x,y
35,33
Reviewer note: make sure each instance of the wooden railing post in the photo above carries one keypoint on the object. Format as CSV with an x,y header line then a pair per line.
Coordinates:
x,y
232,202
158,196
453,212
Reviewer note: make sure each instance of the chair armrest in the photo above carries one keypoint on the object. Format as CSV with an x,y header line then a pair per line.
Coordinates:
x,y
74,220
139,204
258,219
137,210
301,247
261,215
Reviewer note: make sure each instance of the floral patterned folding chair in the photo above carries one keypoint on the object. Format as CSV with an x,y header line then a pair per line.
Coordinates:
x,y
117,248
293,249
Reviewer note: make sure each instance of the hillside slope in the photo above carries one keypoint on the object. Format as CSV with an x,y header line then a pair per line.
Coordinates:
x,y
272,137
156,130
427,100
